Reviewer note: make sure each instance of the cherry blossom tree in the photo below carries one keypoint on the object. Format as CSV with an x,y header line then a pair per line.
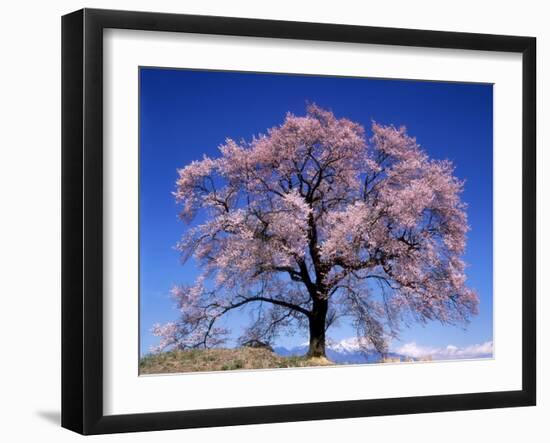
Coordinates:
x,y
315,222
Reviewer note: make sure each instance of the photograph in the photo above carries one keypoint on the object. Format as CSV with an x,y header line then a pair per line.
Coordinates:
x,y
293,221
261,222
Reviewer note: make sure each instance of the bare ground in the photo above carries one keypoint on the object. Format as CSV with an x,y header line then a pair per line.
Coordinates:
x,y
222,360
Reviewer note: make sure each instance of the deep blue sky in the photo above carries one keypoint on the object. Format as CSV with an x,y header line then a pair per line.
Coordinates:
x,y
185,114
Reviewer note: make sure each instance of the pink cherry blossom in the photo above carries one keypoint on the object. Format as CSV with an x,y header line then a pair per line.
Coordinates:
x,y
314,221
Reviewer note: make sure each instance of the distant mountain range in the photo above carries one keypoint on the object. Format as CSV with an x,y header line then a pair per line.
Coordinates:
x,y
348,351
340,354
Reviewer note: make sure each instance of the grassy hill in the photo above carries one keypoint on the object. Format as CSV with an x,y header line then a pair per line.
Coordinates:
x,y
222,360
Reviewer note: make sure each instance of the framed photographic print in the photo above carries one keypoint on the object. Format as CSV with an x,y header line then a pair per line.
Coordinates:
x,y
269,221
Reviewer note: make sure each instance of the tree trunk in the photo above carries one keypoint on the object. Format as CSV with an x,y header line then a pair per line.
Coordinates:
x,y
317,329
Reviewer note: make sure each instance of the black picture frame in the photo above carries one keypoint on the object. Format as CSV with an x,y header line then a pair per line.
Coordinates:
x,y
82,215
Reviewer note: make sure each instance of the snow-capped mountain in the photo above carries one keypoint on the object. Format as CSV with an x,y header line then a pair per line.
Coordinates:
x,y
351,351
347,351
